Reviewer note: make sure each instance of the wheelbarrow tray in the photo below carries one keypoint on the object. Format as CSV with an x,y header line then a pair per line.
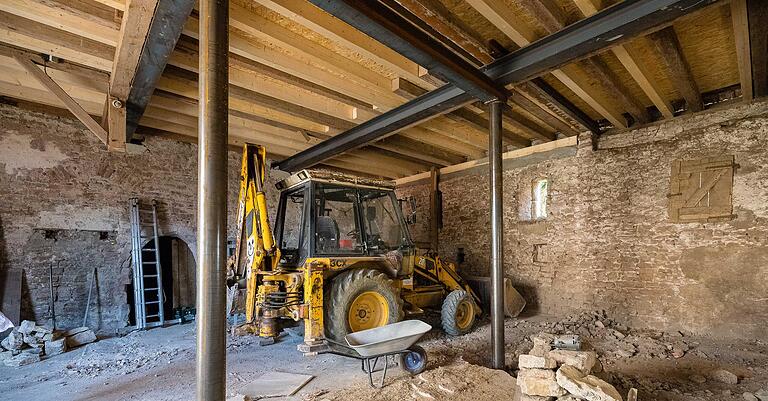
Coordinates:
x,y
387,339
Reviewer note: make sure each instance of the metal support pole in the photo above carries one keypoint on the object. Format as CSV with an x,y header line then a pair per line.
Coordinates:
x,y
497,231
212,201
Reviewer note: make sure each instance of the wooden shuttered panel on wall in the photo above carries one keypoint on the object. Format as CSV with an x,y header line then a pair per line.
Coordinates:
x,y
701,190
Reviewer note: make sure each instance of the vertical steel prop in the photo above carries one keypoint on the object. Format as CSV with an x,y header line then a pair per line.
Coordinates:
x,y
212,201
497,232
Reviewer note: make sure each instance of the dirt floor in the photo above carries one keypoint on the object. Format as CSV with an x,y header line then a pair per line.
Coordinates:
x,y
159,364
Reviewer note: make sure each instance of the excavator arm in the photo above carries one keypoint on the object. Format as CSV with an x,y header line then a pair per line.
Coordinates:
x,y
261,253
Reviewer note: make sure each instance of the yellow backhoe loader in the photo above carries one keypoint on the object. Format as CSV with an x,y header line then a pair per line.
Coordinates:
x,y
340,259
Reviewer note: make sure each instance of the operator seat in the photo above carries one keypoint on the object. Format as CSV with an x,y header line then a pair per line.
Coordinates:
x,y
327,234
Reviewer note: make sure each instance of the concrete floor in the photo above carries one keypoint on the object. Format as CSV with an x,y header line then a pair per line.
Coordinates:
x,y
159,364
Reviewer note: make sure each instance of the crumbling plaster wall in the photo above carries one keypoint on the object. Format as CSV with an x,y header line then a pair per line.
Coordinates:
x,y
608,243
65,207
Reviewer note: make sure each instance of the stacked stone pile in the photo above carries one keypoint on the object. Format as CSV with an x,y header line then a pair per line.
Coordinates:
x,y
548,373
28,342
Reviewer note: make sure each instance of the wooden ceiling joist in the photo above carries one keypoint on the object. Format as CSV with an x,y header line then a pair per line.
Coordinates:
x,y
516,29
633,64
60,16
22,32
308,15
668,46
750,32
757,11
552,19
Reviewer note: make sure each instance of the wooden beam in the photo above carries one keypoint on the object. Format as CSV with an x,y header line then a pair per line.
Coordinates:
x,y
668,46
382,100
740,20
134,32
94,77
116,122
597,69
66,18
433,16
758,40
319,21
644,78
248,76
447,172
516,97
116,4
553,20
631,61
546,13
70,103
518,30
22,32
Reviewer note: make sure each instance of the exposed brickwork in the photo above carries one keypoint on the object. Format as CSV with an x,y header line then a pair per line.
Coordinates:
x,y
56,176
608,243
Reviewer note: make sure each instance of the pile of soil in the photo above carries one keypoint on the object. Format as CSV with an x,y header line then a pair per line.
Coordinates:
x,y
459,381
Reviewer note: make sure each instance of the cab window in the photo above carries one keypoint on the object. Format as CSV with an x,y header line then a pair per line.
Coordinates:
x,y
337,229
383,226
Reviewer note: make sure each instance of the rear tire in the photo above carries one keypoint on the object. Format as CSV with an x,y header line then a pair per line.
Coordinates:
x,y
415,361
458,313
361,299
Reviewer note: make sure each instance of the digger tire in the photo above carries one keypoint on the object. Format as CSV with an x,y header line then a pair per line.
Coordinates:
x,y
361,299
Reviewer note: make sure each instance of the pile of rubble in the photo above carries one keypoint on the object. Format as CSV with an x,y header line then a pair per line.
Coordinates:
x,y
28,342
557,368
624,342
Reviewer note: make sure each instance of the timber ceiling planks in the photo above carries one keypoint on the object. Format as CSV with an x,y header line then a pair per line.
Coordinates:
x,y
298,75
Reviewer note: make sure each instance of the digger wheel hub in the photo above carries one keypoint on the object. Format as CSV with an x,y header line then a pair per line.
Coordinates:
x,y
368,310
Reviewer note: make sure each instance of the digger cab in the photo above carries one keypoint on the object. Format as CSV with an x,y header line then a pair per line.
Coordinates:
x,y
329,215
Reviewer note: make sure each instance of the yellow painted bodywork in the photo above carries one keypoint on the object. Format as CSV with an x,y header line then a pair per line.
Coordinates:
x,y
300,290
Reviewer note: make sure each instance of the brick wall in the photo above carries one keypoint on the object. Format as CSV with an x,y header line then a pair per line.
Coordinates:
x,y
608,243
65,207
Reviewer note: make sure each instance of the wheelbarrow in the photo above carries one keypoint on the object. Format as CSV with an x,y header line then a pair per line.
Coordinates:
x,y
392,340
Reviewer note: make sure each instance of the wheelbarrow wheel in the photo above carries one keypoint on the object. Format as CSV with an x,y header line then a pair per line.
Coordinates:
x,y
414,361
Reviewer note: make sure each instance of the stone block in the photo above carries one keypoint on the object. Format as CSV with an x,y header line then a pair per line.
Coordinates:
x,y
581,360
724,376
72,332
541,382
543,340
81,338
526,397
26,327
14,341
31,340
5,355
536,362
24,358
55,347
42,330
34,350
585,387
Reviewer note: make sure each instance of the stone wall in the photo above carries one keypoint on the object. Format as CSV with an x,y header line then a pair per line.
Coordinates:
x,y
607,242
65,209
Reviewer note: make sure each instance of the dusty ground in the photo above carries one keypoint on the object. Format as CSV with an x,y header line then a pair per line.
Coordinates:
x,y
159,365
